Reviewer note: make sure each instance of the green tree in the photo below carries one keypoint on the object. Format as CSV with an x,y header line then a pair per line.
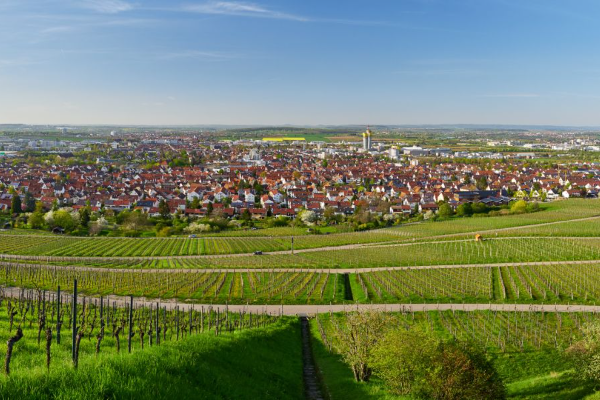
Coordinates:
x,y
356,341
163,209
195,204
209,209
414,362
585,353
136,221
84,216
482,183
63,219
329,214
445,211
464,209
29,202
246,216
36,219
15,205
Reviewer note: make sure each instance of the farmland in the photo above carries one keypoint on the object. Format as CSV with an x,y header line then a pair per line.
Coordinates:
x,y
558,214
521,283
543,258
419,253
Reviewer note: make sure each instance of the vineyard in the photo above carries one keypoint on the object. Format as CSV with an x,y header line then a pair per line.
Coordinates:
x,y
268,287
495,330
46,328
530,284
516,283
449,252
558,213
527,348
138,295
180,246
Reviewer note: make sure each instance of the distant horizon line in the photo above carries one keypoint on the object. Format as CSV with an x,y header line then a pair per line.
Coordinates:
x,y
425,125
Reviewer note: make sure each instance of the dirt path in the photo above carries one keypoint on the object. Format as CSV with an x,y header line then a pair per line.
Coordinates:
x,y
308,310
312,388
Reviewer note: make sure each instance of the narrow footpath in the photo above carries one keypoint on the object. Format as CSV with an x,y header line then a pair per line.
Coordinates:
x,y
312,388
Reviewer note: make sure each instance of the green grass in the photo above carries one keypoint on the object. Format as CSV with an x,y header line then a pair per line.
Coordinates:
x,y
263,363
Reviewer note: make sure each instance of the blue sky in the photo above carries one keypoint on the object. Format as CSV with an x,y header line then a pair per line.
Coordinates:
x,y
300,62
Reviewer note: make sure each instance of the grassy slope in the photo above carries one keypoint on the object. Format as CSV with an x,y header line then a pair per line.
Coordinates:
x,y
265,363
528,375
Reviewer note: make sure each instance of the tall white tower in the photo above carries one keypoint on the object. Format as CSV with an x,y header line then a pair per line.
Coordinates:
x,y
367,139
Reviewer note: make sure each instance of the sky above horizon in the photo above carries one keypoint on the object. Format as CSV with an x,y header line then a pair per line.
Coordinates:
x,y
300,62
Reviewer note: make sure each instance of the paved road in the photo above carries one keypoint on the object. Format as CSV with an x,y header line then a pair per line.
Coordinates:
x,y
300,270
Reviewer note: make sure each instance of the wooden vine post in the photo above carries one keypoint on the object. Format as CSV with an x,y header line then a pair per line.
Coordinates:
x,y
157,325
130,323
58,319
73,350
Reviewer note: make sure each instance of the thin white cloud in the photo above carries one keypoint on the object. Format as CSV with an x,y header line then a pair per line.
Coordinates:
x,y
18,62
436,72
107,6
580,95
56,29
241,9
510,95
198,55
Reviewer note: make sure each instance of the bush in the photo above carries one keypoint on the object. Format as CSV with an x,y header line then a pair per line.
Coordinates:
x,y
164,232
585,353
519,207
463,372
464,210
401,359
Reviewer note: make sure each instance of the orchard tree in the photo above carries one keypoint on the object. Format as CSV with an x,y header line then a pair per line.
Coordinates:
x,y
357,340
308,217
